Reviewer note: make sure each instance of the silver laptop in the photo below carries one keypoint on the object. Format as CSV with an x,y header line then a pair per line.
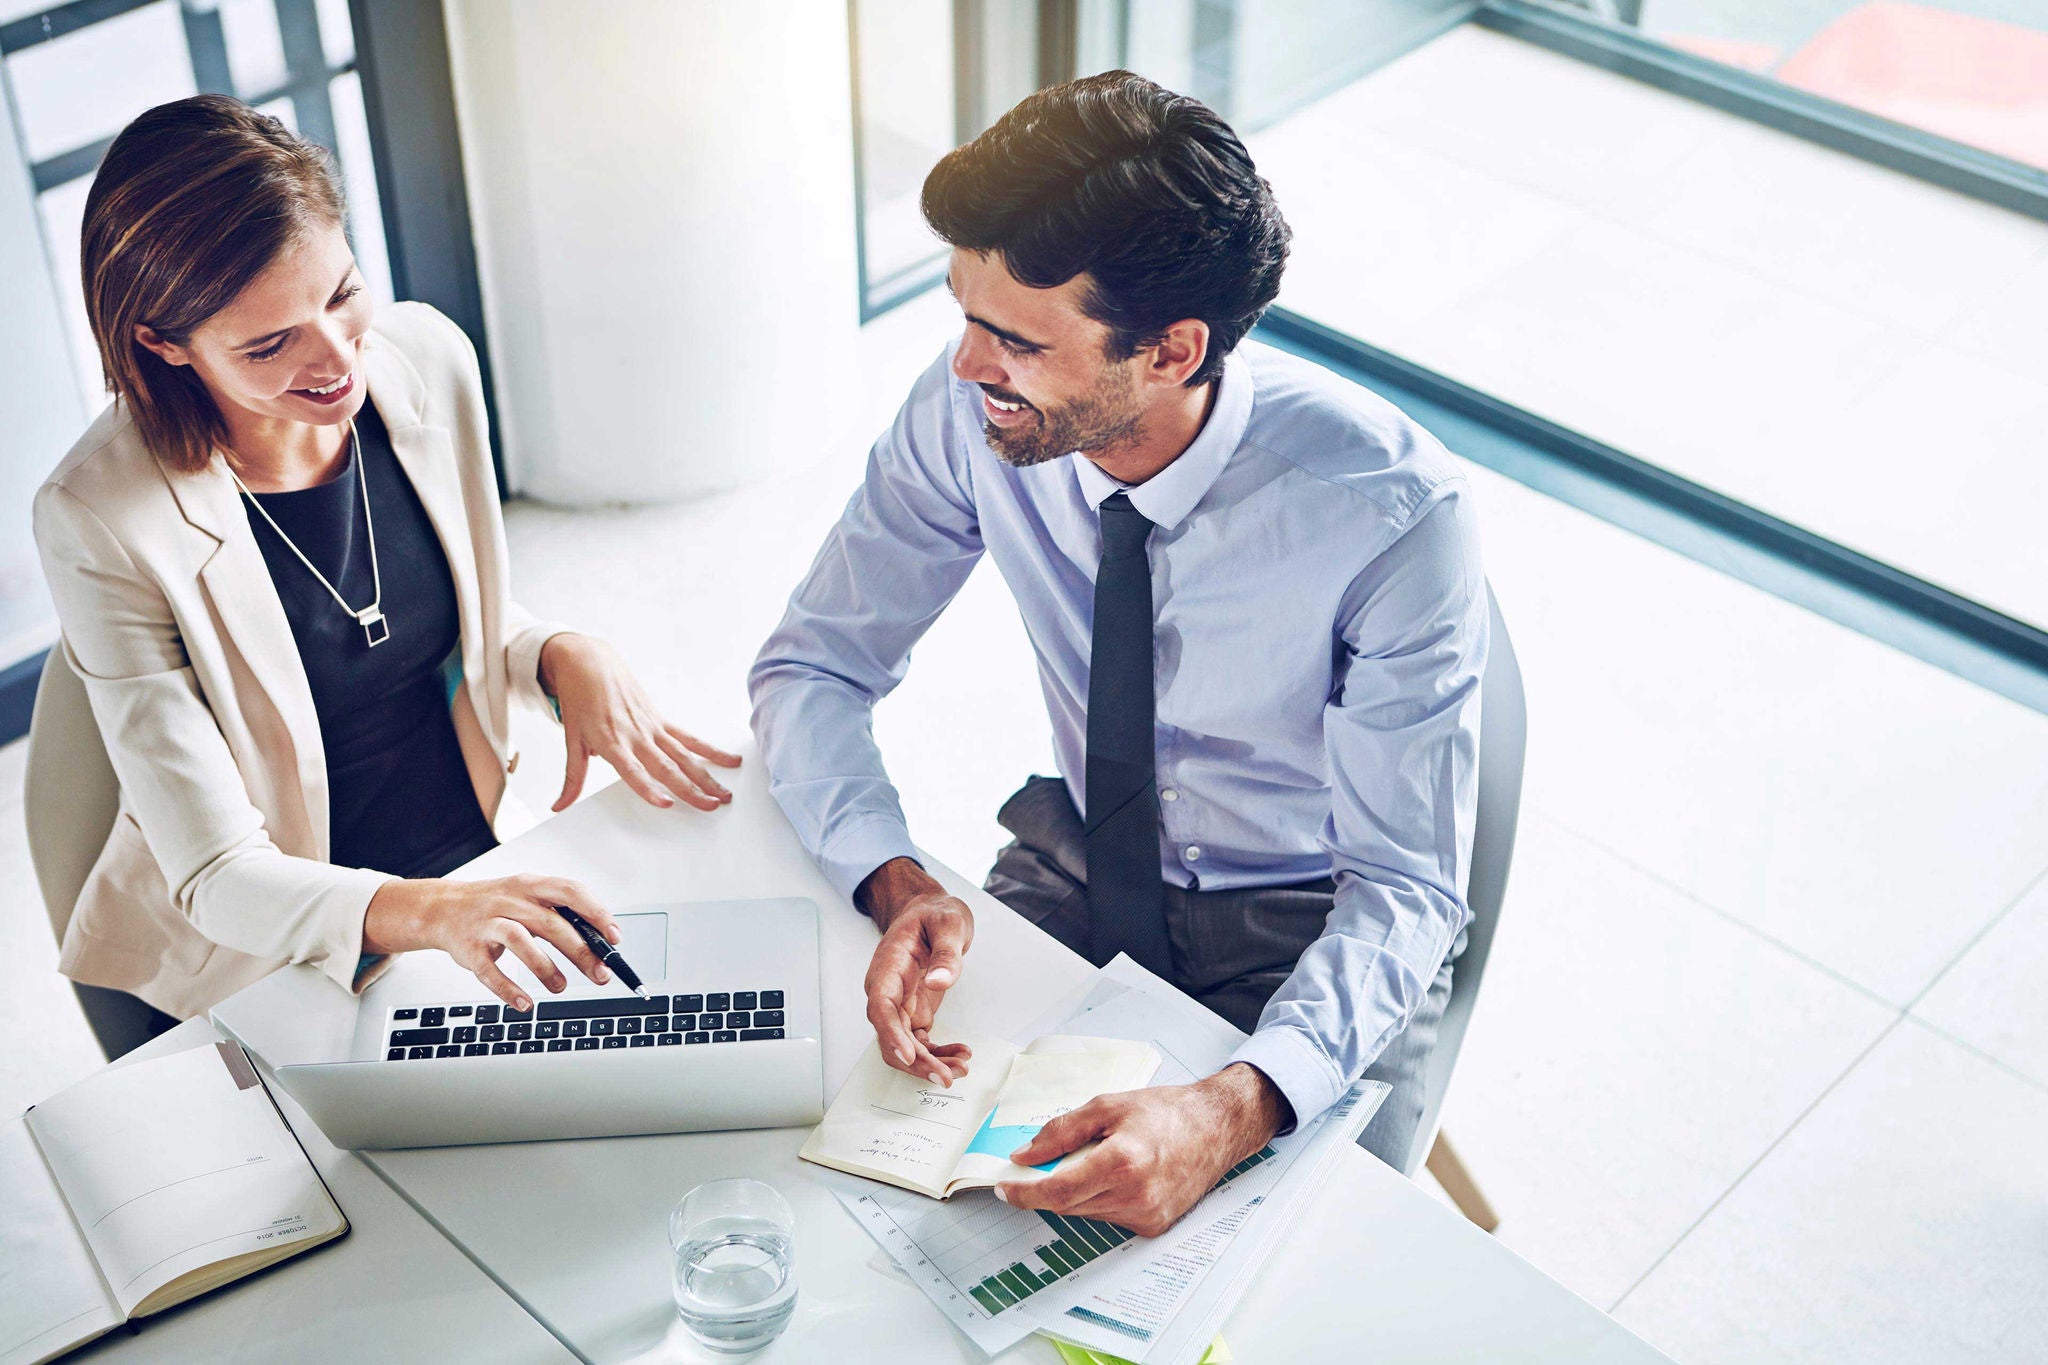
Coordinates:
x,y
729,1036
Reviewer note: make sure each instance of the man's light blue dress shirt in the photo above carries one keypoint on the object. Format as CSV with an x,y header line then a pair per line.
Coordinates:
x,y
1321,625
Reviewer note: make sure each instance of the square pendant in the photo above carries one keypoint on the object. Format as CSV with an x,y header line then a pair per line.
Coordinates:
x,y
375,628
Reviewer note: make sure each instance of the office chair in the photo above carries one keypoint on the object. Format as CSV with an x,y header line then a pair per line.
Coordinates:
x,y
1503,738
70,799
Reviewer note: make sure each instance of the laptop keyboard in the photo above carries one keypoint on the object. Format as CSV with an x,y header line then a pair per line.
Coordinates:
x,y
419,1033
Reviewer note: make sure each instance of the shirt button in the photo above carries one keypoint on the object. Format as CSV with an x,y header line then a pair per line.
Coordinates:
x,y
1169,795
1194,852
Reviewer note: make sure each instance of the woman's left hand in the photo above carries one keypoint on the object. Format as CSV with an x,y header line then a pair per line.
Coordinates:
x,y
605,712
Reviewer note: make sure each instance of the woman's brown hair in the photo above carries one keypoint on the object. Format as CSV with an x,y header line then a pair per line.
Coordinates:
x,y
194,200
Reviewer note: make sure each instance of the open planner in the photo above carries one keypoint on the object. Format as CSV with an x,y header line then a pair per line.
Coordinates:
x,y
939,1140
142,1187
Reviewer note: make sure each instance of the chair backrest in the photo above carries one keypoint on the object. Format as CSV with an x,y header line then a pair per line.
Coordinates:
x,y
1503,738
70,795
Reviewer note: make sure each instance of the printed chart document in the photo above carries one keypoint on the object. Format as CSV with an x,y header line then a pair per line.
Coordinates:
x,y
939,1140
142,1187
1000,1273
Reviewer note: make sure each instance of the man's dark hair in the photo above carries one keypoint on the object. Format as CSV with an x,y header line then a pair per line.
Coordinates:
x,y
1147,192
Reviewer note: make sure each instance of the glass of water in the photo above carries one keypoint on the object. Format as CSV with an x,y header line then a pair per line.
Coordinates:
x,y
735,1280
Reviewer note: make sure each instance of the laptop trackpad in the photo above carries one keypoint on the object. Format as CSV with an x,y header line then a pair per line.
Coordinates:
x,y
643,942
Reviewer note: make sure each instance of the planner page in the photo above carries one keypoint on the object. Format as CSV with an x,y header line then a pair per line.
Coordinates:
x,y
176,1165
51,1295
890,1126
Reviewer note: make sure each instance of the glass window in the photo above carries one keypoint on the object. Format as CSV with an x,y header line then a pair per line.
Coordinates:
x,y
73,92
908,119
928,75
1974,71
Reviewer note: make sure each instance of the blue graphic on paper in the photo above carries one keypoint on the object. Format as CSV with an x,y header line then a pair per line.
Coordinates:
x,y
991,1140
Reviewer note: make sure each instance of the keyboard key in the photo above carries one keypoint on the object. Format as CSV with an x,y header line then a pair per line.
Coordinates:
x,y
396,1054
696,1037
738,1019
671,1039
503,1049
461,1011
466,1034
750,1035
682,1023
416,1037
559,1045
771,1000
610,1008
725,1035
531,1045
642,1040
408,1013
745,1000
449,1050
688,1004
657,1023
545,1029
629,1025
767,1018
588,1044
487,1014
614,1042
512,1016
710,1020
416,1053
600,1028
718,1000
575,1028
491,1033
519,1033
433,1017
477,1050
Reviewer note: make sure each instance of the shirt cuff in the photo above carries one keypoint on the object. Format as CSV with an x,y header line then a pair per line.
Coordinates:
x,y
848,856
1297,1066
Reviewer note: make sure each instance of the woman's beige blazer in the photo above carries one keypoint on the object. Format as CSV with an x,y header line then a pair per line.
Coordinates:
x,y
216,872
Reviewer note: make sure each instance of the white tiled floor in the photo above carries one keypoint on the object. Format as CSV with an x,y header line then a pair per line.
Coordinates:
x,y
1841,345
1751,840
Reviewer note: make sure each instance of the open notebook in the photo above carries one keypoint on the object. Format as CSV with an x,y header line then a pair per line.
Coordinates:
x,y
142,1187
892,1127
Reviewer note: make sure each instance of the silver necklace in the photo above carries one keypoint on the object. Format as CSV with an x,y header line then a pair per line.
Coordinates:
x,y
370,618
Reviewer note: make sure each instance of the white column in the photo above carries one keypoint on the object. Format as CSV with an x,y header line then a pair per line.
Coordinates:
x,y
662,193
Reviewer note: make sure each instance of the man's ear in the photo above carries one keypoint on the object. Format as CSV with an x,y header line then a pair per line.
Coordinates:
x,y
1179,353
167,351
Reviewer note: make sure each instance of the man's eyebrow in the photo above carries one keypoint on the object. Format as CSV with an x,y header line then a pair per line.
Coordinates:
x,y
1005,333
254,342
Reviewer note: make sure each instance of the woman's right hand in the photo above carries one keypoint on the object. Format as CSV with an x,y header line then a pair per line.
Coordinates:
x,y
476,922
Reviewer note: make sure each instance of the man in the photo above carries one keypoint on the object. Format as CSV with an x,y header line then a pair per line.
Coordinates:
x,y
1255,597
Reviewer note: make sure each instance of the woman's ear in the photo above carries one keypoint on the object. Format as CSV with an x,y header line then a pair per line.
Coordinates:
x,y
169,352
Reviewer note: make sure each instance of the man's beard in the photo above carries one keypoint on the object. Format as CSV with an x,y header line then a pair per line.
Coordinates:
x,y
1107,415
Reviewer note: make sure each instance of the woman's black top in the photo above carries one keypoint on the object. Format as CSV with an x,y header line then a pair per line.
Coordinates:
x,y
399,796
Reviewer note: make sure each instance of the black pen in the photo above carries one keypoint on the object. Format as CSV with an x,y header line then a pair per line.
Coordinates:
x,y
604,950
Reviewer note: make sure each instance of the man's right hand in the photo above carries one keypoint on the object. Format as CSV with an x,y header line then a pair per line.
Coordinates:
x,y
925,934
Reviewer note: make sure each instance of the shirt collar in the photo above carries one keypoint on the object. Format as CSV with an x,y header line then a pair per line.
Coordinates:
x,y
1168,496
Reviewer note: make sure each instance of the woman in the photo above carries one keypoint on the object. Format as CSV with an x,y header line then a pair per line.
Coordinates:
x,y
280,569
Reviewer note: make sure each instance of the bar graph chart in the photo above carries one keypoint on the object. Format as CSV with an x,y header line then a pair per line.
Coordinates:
x,y
1076,1242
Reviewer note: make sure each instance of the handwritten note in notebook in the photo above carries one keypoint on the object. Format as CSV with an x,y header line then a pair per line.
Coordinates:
x,y
144,1186
939,1140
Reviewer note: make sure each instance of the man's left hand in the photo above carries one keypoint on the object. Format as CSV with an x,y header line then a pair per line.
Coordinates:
x,y
1162,1149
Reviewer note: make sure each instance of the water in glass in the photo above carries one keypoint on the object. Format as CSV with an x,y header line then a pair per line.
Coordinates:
x,y
735,1285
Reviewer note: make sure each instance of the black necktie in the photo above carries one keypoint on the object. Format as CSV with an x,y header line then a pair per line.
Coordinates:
x,y
1126,902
